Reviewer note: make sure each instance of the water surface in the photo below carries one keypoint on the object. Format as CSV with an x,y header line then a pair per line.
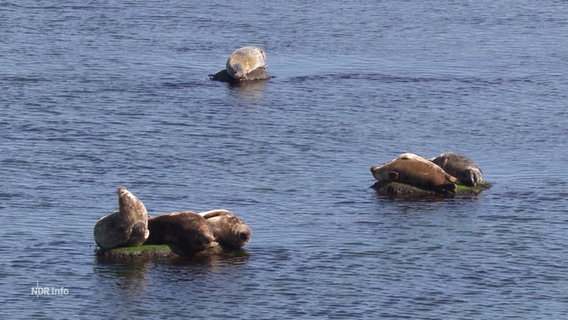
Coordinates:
x,y
99,95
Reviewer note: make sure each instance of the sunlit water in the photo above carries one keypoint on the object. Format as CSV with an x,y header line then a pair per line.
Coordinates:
x,y
98,95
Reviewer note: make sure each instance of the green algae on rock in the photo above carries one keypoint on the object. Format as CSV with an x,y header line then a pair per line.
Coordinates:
x,y
397,190
162,252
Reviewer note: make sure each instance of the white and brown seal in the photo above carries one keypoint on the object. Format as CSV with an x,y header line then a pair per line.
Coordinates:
x,y
246,63
461,167
126,227
186,229
229,230
245,60
416,171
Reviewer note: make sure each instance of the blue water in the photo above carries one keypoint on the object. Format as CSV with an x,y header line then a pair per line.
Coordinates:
x,y
95,95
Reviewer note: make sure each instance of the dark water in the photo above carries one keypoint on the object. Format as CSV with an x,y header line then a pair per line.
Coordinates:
x,y
95,95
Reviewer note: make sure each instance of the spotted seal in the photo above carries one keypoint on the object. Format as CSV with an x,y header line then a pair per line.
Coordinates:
x,y
414,170
186,229
126,227
461,167
229,230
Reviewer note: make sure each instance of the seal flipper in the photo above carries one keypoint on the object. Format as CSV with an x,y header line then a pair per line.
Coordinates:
x,y
474,176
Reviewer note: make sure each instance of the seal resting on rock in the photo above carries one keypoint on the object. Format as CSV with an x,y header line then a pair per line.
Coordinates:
x,y
461,167
416,171
229,230
186,229
126,227
246,63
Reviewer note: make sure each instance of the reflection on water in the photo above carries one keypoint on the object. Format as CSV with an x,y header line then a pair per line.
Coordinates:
x,y
249,90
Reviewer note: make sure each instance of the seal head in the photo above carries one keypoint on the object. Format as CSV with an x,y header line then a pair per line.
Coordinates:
x,y
229,230
461,167
126,227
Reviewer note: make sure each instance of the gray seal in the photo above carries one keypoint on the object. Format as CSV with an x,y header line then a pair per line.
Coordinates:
x,y
126,227
229,230
461,167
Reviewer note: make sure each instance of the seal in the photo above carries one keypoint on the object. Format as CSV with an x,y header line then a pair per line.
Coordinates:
x,y
126,227
186,229
461,167
416,171
247,63
229,230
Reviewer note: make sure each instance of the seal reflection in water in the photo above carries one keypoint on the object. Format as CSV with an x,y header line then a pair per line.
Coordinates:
x,y
416,171
186,229
126,227
229,230
461,167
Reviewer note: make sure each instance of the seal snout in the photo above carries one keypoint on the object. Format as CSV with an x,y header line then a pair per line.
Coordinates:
x,y
243,235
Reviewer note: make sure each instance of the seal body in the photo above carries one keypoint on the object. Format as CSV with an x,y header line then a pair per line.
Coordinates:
x,y
126,227
228,229
186,229
247,63
461,167
414,170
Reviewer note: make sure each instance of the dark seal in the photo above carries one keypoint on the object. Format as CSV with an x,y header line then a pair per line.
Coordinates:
x,y
188,230
461,167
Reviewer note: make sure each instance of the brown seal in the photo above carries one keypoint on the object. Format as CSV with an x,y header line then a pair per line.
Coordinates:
x,y
126,227
461,167
186,229
229,230
416,171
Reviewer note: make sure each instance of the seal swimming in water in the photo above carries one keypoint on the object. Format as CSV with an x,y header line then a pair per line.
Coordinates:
x,y
126,227
229,230
461,167
416,171
186,229
246,63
